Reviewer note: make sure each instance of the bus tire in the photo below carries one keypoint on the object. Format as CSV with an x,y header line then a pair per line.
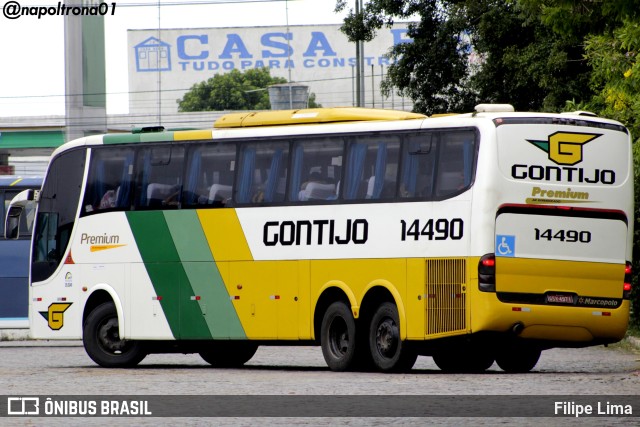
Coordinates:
x,y
463,359
388,352
232,354
102,341
518,358
338,337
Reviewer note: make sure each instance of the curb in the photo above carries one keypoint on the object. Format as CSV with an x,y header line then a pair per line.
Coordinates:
x,y
14,334
634,342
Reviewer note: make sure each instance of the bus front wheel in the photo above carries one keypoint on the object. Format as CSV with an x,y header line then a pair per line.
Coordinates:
x,y
231,354
338,337
388,351
102,342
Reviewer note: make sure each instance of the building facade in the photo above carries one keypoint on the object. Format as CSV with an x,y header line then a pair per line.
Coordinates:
x,y
164,64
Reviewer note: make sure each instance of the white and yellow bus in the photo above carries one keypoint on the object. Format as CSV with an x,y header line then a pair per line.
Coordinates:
x,y
378,235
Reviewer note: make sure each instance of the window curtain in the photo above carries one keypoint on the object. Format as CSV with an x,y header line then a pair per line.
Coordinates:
x,y
467,153
410,167
274,174
125,182
380,171
192,179
98,181
296,173
355,166
246,175
146,170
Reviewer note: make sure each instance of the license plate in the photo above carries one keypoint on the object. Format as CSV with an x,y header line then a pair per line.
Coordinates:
x,y
560,299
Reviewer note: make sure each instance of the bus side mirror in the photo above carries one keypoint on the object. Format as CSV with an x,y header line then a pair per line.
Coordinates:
x,y
12,224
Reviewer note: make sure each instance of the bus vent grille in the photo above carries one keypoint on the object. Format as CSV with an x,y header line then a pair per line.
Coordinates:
x,y
446,296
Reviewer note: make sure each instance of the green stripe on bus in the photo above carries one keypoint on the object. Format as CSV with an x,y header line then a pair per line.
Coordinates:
x,y
203,274
156,136
167,274
132,138
120,138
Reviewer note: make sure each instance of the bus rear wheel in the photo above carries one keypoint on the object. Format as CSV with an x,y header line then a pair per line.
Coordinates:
x,y
388,351
231,354
464,359
338,337
102,342
518,358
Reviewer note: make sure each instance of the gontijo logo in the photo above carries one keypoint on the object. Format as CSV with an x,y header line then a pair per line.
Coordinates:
x,y
55,315
565,148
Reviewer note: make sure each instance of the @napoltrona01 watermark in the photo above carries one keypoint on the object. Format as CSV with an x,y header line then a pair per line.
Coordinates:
x,y
14,10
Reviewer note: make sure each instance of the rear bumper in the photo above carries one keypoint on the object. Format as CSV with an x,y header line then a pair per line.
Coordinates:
x,y
562,325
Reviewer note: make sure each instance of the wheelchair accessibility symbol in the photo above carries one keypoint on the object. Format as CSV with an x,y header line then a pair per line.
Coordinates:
x,y
505,245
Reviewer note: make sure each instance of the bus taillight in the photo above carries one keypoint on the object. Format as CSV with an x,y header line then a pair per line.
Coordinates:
x,y
487,273
626,288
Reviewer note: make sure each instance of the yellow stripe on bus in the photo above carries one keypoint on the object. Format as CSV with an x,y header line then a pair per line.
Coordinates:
x,y
224,234
96,248
191,135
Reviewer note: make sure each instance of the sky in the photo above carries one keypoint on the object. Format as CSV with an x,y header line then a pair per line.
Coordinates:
x,y
32,48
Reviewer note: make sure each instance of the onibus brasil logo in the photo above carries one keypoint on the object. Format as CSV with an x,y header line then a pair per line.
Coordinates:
x,y
565,148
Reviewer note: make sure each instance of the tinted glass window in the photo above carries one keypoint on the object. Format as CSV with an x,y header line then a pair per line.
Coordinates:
x,y
57,211
262,172
317,169
456,163
159,171
372,167
209,176
437,165
110,180
419,153
26,219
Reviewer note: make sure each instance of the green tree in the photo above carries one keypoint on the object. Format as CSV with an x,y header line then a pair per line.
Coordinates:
x,y
616,77
522,61
611,41
525,63
312,101
429,70
231,91
544,55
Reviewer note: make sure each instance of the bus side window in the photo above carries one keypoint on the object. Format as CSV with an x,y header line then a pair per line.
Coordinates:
x,y
418,163
209,175
159,177
372,164
262,173
455,163
110,179
316,170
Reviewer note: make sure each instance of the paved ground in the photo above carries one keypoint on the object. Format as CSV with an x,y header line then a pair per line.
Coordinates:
x,y
54,368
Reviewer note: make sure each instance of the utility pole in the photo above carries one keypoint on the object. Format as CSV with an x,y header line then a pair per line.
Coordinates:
x,y
359,63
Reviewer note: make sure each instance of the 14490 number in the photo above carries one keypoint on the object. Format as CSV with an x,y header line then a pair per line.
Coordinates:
x,y
433,229
570,236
